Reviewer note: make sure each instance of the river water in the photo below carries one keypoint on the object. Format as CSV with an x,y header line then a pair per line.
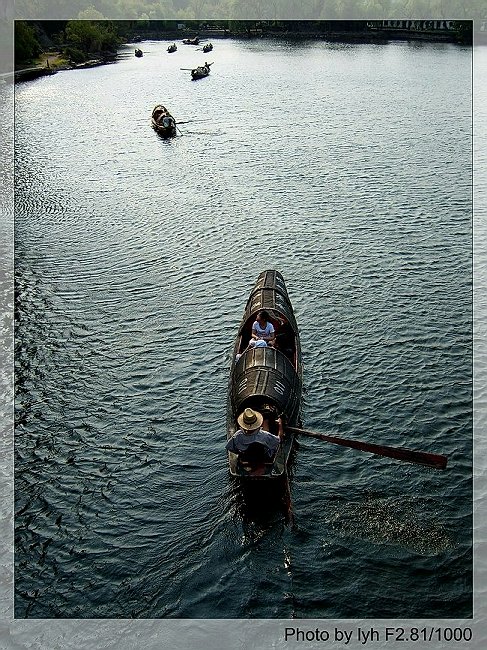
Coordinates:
x,y
348,167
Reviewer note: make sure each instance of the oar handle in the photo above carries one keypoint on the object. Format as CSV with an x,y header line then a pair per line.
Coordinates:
x,y
399,453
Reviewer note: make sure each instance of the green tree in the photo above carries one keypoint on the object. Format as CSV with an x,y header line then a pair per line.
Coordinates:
x,y
27,46
92,37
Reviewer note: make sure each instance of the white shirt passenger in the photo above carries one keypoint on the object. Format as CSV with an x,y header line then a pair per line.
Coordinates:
x,y
266,332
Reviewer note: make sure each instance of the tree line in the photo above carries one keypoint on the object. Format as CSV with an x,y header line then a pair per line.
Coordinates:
x,y
92,35
78,40
252,9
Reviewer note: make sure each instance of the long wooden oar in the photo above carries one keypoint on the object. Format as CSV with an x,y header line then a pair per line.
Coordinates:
x,y
399,453
193,121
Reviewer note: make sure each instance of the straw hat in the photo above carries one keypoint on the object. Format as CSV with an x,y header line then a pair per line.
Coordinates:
x,y
250,420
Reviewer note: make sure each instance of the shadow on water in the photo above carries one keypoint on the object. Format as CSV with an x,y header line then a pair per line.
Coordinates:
x,y
262,502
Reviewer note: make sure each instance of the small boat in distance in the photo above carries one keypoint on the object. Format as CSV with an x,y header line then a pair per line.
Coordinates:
x,y
266,379
208,47
163,122
201,71
172,48
138,52
191,41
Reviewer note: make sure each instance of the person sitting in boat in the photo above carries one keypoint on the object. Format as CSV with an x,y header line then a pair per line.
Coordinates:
x,y
269,415
167,122
159,112
263,329
251,436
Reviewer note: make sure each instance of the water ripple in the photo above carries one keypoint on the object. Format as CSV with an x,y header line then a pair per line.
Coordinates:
x,y
134,259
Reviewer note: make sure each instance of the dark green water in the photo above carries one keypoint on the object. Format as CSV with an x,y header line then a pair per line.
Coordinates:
x,y
349,169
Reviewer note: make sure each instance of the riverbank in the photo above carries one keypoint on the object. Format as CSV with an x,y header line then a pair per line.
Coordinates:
x,y
49,63
364,35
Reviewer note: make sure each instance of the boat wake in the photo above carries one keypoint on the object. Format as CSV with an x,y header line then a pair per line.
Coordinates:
x,y
391,521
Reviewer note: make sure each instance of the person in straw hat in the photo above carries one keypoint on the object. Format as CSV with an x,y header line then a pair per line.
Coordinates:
x,y
250,432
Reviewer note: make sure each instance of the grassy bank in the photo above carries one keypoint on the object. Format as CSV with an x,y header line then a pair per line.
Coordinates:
x,y
51,60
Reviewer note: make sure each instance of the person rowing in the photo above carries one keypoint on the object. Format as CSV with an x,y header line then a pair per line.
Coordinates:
x,y
251,441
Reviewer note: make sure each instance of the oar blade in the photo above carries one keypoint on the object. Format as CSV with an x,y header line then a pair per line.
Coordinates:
x,y
436,461
419,457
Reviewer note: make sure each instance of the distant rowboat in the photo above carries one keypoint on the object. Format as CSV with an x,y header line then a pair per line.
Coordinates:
x,y
191,41
201,71
163,122
172,48
138,52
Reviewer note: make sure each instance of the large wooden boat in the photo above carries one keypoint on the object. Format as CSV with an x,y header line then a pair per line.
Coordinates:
x,y
266,379
163,122
201,71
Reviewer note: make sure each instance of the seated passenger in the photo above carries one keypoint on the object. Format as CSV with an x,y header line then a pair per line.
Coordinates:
x,y
263,329
159,111
270,421
251,433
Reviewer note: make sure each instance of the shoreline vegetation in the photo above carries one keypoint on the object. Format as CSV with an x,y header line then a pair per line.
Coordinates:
x,y
46,47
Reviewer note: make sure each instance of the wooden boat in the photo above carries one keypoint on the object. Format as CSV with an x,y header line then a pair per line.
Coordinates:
x,y
266,379
138,52
208,47
172,48
191,41
163,122
201,71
